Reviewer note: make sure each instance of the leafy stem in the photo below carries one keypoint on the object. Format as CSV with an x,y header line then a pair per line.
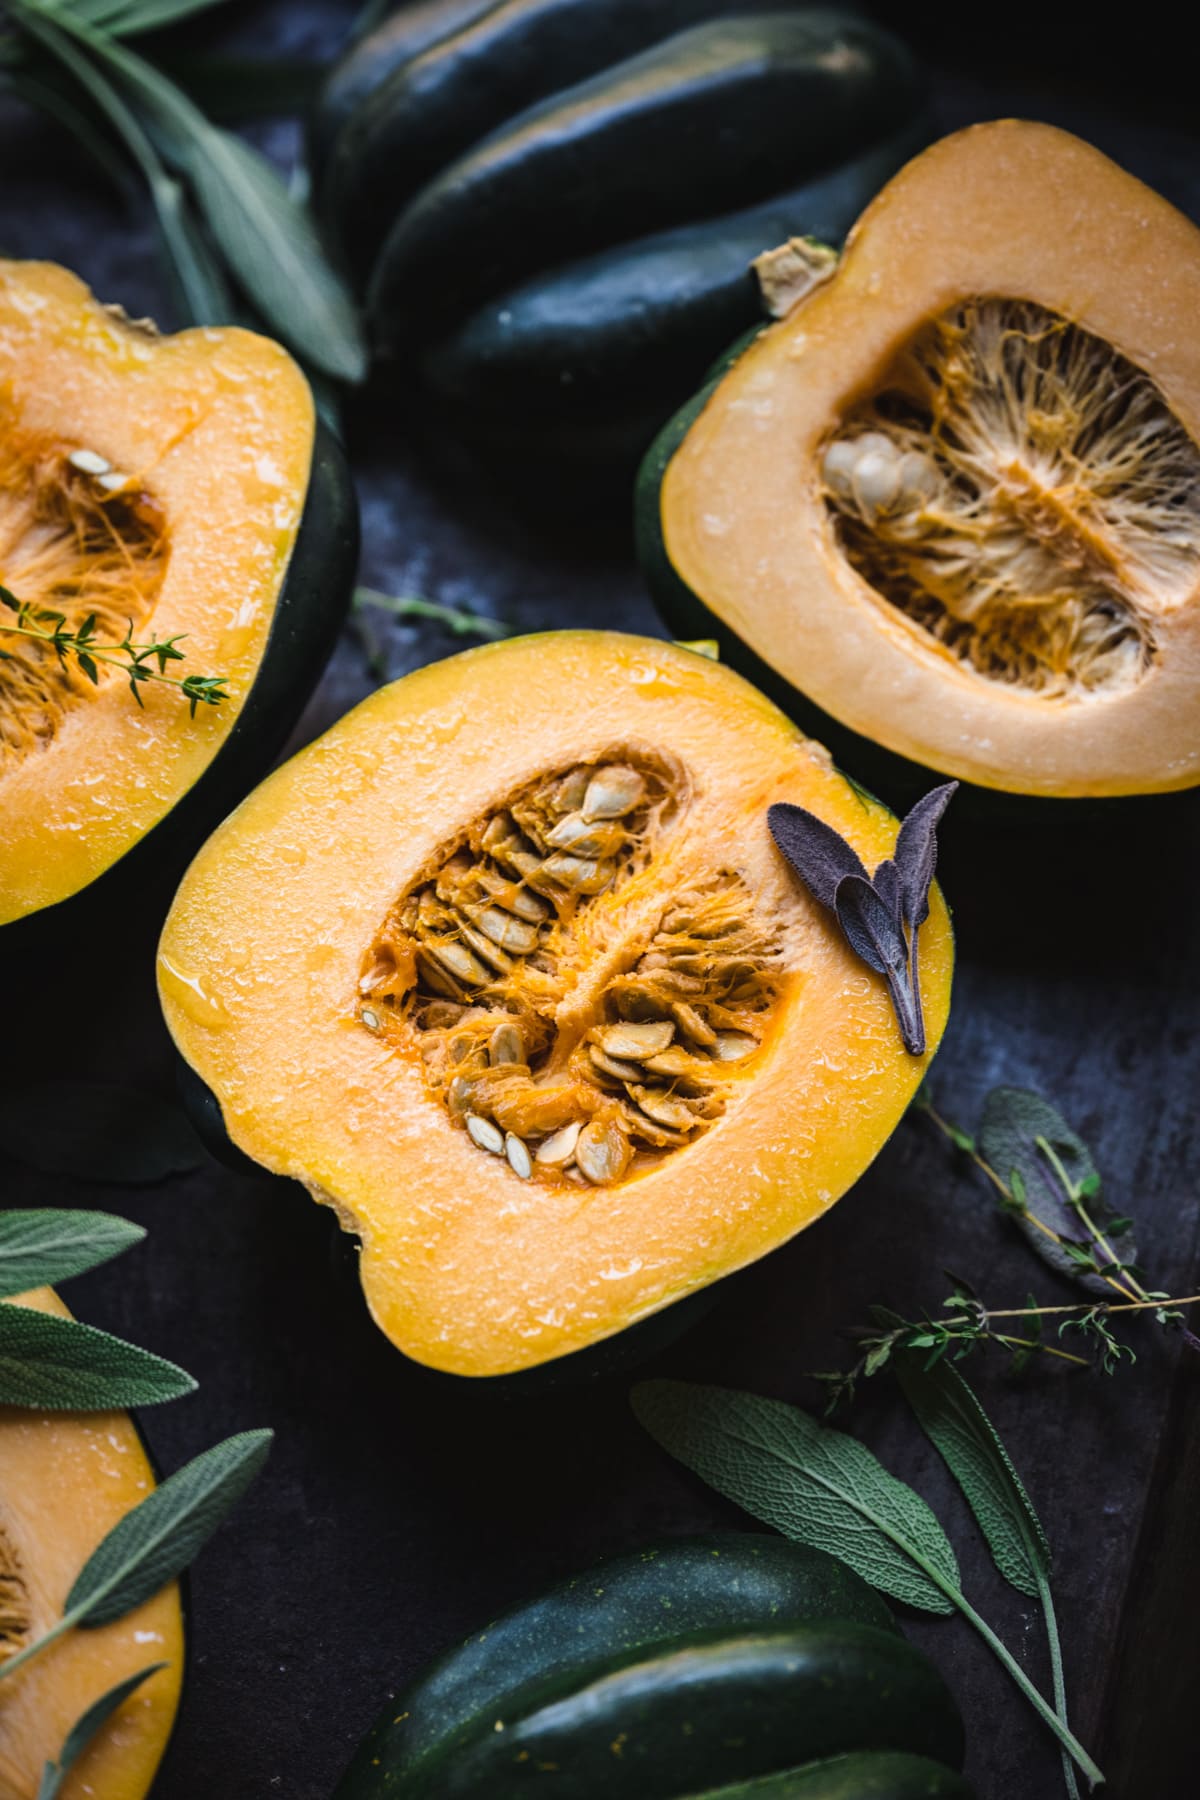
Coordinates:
x,y
139,662
458,619
1016,1199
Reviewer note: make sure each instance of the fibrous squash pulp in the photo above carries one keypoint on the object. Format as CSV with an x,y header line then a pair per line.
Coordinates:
x,y
507,969
157,487
65,1480
953,497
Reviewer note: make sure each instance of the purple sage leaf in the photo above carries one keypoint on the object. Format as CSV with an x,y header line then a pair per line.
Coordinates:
x,y
916,853
876,937
886,882
820,855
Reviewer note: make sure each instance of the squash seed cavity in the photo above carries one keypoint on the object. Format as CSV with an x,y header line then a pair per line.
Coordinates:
x,y
77,538
571,1018
1024,494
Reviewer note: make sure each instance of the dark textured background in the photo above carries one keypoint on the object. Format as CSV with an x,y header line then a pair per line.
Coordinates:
x,y
397,1512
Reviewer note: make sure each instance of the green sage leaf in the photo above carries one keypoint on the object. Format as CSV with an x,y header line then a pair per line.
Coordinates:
x,y
85,1729
41,1246
812,1483
960,1430
97,1131
59,1365
1013,1121
153,1543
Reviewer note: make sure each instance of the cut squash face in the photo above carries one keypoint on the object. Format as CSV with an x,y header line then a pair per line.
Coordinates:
x,y
65,1480
507,969
954,497
154,486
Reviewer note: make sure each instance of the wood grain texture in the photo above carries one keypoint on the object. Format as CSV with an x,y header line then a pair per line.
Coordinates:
x,y
400,1510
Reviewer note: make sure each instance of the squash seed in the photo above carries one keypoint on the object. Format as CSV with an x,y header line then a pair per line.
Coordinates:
x,y
602,1152
505,1045
519,1160
558,1149
630,1039
612,792
731,1046
608,1065
485,1134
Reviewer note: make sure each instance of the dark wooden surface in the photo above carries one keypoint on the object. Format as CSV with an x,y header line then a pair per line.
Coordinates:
x,y
398,1512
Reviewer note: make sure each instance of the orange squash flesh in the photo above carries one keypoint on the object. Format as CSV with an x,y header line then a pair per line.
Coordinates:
x,y
65,1481
1005,212
215,430
465,1266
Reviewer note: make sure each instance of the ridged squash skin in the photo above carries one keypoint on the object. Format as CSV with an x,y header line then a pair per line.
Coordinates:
x,y
1004,209
665,1672
65,1481
467,1268
554,207
261,533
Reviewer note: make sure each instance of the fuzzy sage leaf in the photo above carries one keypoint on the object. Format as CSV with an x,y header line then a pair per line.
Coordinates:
x,y
823,1488
58,1365
41,1246
1023,1136
880,915
814,1484
85,1729
965,1437
949,1412
97,1131
154,1542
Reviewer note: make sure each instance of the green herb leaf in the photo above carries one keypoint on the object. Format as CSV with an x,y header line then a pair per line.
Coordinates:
x,y
41,1246
812,1483
97,1131
968,1442
1014,1120
85,1729
59,1365
125,18
154,1542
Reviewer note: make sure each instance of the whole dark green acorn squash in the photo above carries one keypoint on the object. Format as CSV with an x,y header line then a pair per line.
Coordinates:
x,y
553,207
723,1665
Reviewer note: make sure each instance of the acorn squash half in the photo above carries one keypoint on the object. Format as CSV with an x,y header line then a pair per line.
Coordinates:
x,y
953,497
165,485
507,970
65,1480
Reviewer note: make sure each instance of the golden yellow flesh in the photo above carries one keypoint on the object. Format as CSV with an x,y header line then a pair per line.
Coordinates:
x,y
214,430
1008,591
465,1265
65,1481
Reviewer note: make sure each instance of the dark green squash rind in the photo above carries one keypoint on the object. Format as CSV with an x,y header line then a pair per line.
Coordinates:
x,y
370,59
421,115
633,327
670,1592
724,1710
732,111
307,618
865,1775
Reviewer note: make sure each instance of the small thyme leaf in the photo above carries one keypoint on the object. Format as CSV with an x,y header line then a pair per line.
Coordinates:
x,y
135,660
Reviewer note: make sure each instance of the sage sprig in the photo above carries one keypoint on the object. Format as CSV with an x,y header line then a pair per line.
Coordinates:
x,y
221,208
822,1487
881,914
43,1245
85,1729
949,1412
60,1365
154,1543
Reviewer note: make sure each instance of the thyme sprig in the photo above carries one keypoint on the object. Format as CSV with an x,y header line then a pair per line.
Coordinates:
x,y
139,662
